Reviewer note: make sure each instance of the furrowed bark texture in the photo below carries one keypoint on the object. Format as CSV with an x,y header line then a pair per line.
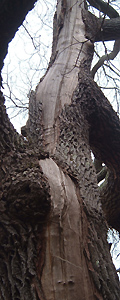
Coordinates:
x,y
53,232
24,206
104,137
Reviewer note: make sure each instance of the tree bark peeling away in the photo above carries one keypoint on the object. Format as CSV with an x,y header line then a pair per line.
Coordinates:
x,y
53,230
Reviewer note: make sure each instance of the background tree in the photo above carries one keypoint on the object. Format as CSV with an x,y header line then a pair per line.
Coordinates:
x,y
53,229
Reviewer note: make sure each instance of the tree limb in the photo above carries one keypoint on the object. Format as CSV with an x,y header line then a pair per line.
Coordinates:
x,y
107,57
98,30
104,7
104,138
109,30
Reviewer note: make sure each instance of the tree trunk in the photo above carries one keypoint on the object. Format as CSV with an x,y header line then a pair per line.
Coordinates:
x,y
53,231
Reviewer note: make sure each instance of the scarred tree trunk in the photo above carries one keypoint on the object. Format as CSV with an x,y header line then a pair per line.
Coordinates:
x,y
53,231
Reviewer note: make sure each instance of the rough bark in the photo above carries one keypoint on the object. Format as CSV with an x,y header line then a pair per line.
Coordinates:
x,y
104,137
65,134
24,206
53,231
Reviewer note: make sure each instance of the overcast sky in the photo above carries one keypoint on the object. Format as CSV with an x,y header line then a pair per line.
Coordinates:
x,y
27,59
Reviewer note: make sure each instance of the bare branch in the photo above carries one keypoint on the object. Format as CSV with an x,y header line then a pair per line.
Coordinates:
x,y
104,7
29,36
105,33
107,57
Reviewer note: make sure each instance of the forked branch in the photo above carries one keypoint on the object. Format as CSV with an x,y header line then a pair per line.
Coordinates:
x,y
106,57
108,30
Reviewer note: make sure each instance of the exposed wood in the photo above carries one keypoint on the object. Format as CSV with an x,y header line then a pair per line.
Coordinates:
x,y
61,79
53,232
71,230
